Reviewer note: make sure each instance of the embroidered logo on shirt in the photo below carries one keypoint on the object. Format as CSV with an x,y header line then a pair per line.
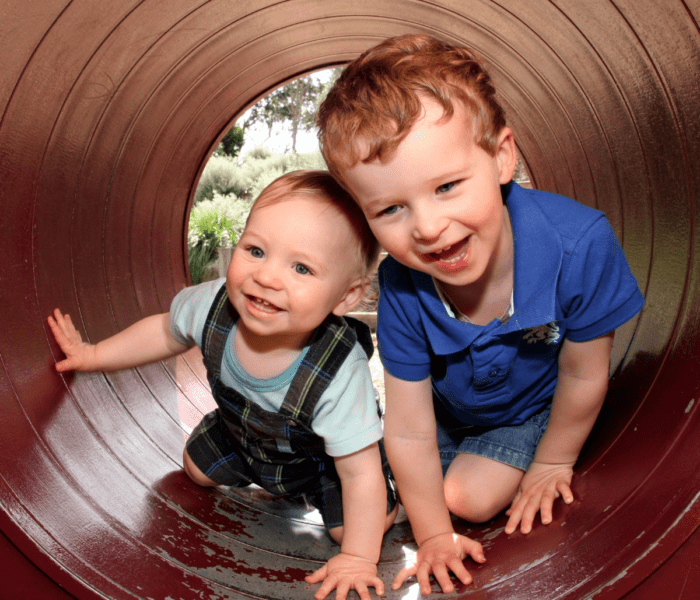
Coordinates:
x,y
549,334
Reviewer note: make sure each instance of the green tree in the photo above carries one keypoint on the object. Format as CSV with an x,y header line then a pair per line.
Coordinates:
x,y
233,141
294,103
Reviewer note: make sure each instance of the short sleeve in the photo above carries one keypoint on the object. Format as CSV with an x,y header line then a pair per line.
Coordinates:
x,y
402,343
346,415
598,292
189,310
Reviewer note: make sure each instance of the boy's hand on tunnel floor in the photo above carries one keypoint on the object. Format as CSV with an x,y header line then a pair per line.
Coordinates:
x,y
345,572
439,555
79,354
541,485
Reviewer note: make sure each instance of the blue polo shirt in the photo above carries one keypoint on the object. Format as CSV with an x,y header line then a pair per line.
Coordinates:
x,y
571,281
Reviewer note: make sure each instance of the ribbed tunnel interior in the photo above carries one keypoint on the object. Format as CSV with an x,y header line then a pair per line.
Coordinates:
x,y
108,113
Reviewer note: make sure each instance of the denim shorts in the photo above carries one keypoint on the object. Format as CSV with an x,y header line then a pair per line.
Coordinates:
x,y
513,445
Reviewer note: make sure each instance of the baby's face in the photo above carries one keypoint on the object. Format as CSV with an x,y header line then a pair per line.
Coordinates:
x,y
291,268
436,205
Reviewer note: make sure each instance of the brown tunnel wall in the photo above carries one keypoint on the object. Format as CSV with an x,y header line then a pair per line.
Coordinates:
x,y
108,112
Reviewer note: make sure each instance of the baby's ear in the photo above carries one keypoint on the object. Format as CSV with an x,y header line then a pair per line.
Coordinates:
x,y
352,297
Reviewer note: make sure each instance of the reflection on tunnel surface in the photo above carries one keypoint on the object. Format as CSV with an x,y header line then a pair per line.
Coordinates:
x,y
107,118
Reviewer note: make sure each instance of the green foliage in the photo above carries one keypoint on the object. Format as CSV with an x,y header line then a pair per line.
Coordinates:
x,y
214,224
223,176
264,171
232,142
200,259
258,152
294,103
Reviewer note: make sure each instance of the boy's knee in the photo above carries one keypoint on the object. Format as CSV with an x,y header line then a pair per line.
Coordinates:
x,y
464,502
194,473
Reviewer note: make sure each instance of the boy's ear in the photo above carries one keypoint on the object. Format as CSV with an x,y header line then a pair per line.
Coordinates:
x,y
506,155
352,297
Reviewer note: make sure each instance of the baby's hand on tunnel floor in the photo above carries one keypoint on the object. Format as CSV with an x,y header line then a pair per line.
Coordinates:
x,y
345,572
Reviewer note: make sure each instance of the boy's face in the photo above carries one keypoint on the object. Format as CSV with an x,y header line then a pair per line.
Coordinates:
x,y
436,205
295,264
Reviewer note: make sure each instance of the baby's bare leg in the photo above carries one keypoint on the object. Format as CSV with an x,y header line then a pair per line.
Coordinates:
x,y
194,472
478,488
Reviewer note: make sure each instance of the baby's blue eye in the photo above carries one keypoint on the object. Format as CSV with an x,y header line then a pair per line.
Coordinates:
x,y
256,252
301,269
445,187
391,210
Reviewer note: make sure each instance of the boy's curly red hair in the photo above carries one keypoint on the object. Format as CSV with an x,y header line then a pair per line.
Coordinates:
x,y
377,99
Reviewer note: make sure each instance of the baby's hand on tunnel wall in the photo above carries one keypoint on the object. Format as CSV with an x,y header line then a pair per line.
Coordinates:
x,y
80,356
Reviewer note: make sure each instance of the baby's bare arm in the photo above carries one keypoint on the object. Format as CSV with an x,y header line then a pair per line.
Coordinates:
x,y
364,516
578,398
146,341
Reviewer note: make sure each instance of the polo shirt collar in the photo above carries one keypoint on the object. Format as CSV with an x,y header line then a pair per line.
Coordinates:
x,y
538,255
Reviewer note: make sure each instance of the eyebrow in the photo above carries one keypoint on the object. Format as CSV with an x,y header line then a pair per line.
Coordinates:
x,y
383,201
460,173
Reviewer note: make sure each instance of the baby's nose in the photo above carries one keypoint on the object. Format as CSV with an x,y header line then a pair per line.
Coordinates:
x,y
268,275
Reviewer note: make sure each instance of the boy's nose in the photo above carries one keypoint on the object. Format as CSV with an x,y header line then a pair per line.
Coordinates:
x,y
428,226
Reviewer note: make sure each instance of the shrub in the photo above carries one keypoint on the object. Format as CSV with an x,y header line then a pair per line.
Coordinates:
x,y
265,170
222,175
214,224
259,152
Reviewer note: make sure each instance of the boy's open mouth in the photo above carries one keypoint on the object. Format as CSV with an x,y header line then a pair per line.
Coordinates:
x,y
451,254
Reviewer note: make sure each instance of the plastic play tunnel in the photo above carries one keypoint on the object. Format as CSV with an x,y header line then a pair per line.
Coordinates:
x,y
108,112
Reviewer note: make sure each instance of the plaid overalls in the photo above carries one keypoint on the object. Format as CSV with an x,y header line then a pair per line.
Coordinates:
x,y
277,451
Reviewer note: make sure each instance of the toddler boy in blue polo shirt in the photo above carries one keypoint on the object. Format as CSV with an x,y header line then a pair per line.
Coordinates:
x,y
498,305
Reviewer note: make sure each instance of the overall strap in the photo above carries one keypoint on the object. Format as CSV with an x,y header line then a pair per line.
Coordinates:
x,y
331,344
217,327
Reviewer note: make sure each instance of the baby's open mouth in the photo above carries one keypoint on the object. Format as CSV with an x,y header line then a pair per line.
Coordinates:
x,y
263,304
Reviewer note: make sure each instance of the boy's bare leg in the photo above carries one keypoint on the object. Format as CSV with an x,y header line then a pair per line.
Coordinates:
x,y
194,473
478,488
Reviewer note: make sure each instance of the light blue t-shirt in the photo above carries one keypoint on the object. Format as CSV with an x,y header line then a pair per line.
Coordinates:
x,y
345,415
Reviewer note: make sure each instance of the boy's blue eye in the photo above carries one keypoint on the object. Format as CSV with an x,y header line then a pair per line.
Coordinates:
x,y
301,269
256,252
446,187
391,210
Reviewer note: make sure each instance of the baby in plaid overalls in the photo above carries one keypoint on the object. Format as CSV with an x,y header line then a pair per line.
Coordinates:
x,y
297,413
